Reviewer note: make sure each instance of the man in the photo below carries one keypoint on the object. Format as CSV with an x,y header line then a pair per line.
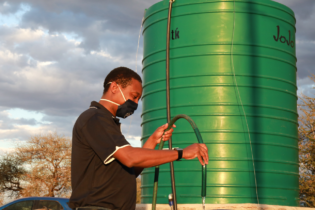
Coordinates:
x,y
104,166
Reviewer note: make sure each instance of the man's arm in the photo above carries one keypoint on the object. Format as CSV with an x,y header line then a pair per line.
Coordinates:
x,y
145,158
148,145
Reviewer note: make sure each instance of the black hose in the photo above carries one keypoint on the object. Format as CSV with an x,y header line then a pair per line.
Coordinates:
x,y
168,108
168,101
204,168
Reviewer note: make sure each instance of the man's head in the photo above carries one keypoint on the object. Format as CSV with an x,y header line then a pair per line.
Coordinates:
x,y
122,76
120,85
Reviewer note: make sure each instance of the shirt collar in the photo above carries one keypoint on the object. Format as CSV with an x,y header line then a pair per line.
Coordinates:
x,y
97,105
116,120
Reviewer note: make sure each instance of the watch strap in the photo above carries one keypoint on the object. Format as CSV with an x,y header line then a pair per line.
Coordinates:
x,y
180,153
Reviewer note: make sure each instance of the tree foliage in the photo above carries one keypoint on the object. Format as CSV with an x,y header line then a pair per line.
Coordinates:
x,y
12,174
45,165
307,149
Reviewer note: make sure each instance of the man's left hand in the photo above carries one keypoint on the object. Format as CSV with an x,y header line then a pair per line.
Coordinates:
x,y
158,133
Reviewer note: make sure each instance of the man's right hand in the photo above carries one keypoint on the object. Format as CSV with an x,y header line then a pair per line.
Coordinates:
x,y
196,150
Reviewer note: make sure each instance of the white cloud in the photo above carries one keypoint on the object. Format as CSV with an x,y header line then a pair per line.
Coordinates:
x,y
20,113
306,87
25,35
9,57
134,143
73,37
23,129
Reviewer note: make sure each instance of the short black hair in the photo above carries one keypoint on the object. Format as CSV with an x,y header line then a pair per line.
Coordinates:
x,y
122,76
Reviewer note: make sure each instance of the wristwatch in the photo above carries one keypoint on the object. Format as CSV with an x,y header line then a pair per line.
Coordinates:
x,y
180,153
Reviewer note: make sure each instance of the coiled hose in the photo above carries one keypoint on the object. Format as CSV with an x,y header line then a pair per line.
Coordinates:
x,y
204,167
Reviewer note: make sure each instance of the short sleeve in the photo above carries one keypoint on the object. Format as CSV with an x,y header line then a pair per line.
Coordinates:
x,y
104,137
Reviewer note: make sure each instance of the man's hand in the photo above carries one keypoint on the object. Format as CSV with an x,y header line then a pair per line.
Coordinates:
x,y
158,134
196,150
155,139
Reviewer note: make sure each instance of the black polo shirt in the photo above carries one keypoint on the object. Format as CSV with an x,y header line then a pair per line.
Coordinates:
x,y
97,178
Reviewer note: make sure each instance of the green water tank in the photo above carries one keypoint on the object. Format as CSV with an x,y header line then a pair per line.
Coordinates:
x,y
246,117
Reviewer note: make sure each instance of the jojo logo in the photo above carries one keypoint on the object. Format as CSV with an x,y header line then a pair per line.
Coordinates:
x,y
284,39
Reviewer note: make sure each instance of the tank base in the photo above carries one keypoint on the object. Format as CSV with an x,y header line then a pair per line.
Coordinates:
x,y
246,206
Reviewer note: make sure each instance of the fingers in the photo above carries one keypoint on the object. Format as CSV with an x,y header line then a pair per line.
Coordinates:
x,y
200,159
167,134
165,126
170,131
204,147
204,154
161,134
197,150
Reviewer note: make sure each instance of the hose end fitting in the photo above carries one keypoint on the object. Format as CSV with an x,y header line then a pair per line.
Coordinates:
x,y
170,200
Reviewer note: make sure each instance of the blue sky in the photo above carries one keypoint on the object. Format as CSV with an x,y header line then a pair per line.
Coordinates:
x,y
54,56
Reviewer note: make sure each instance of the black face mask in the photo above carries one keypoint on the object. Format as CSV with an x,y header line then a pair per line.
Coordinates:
x,y
126,109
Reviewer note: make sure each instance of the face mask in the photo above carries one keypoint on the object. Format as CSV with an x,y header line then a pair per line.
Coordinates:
x,y
126,109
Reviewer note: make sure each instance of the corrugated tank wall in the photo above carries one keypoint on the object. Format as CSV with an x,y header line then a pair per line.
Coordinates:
x,y
233,71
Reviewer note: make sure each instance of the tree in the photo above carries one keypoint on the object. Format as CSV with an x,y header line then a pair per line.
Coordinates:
x,y
48,159
12,174
307,149
40,167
